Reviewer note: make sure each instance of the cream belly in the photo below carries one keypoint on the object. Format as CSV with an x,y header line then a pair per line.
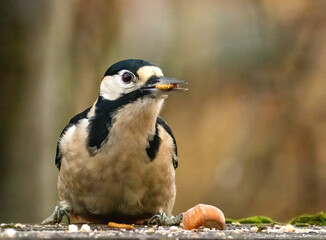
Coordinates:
x,y
120,178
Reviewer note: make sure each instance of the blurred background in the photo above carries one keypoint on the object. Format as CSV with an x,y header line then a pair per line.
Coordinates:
x,y
251,130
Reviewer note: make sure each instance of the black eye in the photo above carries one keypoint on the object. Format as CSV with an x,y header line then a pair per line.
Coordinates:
x,y
127,77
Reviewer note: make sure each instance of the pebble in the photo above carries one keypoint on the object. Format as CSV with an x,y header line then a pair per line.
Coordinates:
x,y
219,233
151,230
72,228
236,223
85,228
19,225
10,232
281,229
237,231
174,229
288,228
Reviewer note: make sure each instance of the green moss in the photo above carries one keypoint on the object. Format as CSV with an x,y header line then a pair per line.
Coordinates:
x,y
228,220
8,225
251,220
310,219
302,220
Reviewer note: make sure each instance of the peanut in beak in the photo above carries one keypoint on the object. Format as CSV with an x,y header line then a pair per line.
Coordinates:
x,y
165,87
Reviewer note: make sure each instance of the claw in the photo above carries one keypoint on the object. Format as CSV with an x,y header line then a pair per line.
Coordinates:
x,y
57,215
156,219
163,220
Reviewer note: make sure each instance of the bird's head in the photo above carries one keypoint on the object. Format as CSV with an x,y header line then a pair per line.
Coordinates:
x,y
132,75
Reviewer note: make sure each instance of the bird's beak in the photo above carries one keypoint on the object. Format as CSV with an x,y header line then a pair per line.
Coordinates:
x,y
166,84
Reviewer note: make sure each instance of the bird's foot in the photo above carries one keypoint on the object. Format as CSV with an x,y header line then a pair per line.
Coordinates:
x,y
57,215
163,220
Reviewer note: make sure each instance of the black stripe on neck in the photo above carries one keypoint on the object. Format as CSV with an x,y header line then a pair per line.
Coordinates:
x,y
154,144
101,123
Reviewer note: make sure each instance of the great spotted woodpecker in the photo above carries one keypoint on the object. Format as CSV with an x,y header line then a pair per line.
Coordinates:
x,y
117,159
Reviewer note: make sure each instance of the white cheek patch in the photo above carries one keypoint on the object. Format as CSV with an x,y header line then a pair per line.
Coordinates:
x,y
112,87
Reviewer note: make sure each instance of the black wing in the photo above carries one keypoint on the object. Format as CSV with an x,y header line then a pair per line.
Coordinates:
x,y
72,122
166,127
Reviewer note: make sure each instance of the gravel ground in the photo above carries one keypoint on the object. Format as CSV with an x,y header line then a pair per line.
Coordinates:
x,y
233,231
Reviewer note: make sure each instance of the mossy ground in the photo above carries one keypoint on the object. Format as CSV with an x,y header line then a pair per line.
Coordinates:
x,y
251,220
302,220
311,219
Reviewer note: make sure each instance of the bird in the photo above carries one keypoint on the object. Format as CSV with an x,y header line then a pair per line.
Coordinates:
x,y
117,159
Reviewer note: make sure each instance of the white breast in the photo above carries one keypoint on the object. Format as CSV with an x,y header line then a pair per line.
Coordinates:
x,y
120,177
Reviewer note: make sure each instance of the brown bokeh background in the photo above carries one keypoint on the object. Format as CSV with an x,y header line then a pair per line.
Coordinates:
x,y
251,130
